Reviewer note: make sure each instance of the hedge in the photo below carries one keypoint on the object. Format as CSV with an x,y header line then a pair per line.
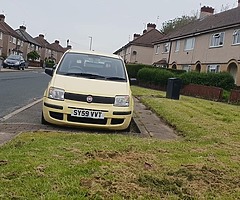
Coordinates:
x,y
157,76
223,79
133,69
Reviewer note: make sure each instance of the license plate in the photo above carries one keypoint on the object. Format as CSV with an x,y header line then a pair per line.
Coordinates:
x,y
87,114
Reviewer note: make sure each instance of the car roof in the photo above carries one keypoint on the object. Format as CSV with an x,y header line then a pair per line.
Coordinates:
x,y
94,53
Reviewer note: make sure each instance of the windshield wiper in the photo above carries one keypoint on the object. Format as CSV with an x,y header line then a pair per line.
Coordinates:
x,y
88,75
115,78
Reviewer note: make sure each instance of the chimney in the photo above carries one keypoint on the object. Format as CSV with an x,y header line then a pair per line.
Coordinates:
x,y
150,26
144,31
135,36
23,28
2,18
206,11
41,36
56,41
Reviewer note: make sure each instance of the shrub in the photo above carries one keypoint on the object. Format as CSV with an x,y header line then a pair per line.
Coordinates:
x,y
146,75
161,77
157,76
223,79
133,69
33,55
49,63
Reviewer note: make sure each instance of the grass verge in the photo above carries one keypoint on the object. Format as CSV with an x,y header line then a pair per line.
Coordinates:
x,y
203,164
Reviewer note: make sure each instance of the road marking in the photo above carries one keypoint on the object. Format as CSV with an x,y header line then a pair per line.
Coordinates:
x,y
19,110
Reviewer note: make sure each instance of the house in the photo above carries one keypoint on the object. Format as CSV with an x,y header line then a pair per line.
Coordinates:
x,y
56,51
44,46
29,43
209,44
140,49
10,41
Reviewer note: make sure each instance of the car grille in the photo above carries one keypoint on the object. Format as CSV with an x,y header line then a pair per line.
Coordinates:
x,y
59,116
86,120
83,98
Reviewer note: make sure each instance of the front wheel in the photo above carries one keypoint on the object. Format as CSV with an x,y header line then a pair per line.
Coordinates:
x,y
43,121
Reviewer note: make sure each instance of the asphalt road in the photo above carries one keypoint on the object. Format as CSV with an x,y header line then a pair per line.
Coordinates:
x,y
19,88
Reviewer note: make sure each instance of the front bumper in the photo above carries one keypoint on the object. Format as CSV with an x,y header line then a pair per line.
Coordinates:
x,y
10,65
59,113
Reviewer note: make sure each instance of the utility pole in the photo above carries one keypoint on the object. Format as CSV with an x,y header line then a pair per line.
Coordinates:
x,y
90,47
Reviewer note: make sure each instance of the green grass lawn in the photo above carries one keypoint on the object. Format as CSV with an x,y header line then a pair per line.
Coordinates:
x,y
203,164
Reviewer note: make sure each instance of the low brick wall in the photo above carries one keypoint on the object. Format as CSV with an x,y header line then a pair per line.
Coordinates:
x,y
152,86
234,96
34,63
202,91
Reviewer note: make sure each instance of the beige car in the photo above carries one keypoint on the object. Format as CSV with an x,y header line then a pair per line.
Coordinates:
x,y
88,89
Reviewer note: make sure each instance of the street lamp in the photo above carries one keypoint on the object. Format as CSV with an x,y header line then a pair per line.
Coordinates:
x,y
90,43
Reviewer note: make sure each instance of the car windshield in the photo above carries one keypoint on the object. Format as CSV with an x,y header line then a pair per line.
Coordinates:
x,y
14,57
92,66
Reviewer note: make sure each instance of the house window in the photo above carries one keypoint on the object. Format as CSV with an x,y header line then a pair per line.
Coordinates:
x,y
187,68
19,42
177,46
189,44
166,48
157,49
128,50
213,68
1,35
236,37
217,39
14,40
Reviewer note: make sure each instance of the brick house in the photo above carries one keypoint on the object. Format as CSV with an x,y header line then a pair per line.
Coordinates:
x,y
141,48
56,50
29,43
209,44
10,41
45,51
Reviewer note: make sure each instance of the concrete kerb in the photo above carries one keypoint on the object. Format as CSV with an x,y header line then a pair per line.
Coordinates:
x,y
16,70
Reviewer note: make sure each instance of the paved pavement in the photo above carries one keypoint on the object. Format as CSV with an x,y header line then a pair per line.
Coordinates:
x,y
146,124
150,125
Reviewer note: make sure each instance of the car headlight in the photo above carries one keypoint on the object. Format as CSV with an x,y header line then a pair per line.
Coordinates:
x,y
17,63
56,93
122,101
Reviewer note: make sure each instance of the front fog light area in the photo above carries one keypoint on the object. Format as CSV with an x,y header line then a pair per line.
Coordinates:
x,y
56,93
122,101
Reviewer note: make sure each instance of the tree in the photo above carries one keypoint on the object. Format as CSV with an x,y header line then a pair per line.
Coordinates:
x,y
176,23
33,55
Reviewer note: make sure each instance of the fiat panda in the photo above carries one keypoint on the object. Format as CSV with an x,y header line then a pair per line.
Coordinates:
x,y
88,89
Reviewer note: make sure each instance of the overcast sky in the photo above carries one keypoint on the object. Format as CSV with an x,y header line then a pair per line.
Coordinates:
x,y
110,23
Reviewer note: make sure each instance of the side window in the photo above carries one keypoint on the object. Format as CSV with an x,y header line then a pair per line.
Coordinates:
x,y
177,46
157,49
217,39
166,47
236,37
213,68
189,44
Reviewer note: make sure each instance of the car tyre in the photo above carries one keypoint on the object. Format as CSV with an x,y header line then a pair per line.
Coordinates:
x,y
128,129
43,121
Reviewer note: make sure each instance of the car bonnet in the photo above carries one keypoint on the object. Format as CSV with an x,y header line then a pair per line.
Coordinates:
x,y
82,85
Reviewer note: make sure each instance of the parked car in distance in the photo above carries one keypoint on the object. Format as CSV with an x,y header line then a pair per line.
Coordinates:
x,y
14,61
88,89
